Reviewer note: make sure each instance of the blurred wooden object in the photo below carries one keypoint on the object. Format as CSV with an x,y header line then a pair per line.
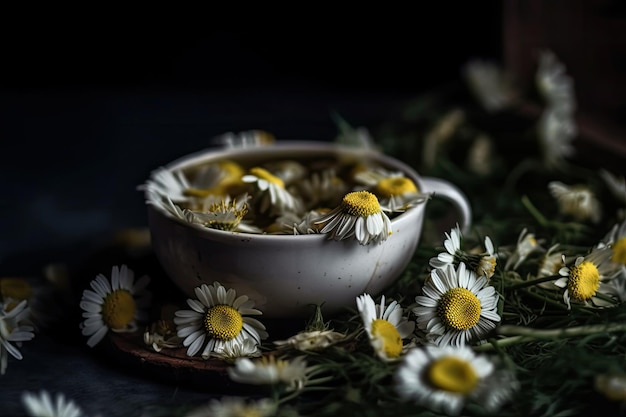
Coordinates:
x,y
589,37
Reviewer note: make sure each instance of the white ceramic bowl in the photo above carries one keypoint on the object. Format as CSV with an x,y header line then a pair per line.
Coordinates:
x,y
285,274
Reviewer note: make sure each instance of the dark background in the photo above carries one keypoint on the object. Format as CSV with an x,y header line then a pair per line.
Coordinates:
x,y
88,106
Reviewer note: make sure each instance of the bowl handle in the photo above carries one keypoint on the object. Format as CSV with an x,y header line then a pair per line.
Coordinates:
x,y
442,188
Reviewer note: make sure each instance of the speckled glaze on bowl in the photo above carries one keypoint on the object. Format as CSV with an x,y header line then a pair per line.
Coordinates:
x,y
285,274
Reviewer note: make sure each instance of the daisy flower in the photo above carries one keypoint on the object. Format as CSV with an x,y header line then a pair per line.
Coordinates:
x,y
161,334
13,330
482,263
444,379
588,276
491,86
115,305
43,405
167,183
221,216
616,240
311,341
235,407
269,370
556,131
358,215
549,265
292,224
219,178
217,317
458,307
270,192
396,192
287,170
385,325
577,201
229,352
322,188
526,244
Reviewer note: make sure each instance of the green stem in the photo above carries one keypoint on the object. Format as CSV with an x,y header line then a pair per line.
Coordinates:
x,y
533,210
532,282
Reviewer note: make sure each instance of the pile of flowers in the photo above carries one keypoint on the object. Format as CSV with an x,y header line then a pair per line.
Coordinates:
x,y
522,315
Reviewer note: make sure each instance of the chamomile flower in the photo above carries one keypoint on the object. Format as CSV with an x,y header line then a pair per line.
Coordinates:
x,y
386,326
219,178
358,215
44,405
457,306
549,265
395,191
527,243
14,329
269,370
293,224
161,335
289,171
482,263
270,192
586,277
491,86
311,341
235,407
445,378
577,201
115,305
322,188
221,216
167,183
248,348
616,240
217,317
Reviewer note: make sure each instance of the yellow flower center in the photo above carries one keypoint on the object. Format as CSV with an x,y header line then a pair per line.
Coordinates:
x,y
361,204
232,171
453,375
223,322
264,174
619,251
459,309
584,281
118,309
388,334
16,288
388,187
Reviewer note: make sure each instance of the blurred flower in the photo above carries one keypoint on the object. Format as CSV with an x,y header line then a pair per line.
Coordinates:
x,y
235,407
386,326
245,139
616,240
322,188
311,341
457,306
395,191
219,178
549,266
14,328
491,86
526,244
444,379
167,183
554,85
577,201
612,386
219,318
587,277
221,216
43,405
616,185
270,193
358,138
440,134
480,156
556,131
270,370
115,305
290,171
358,215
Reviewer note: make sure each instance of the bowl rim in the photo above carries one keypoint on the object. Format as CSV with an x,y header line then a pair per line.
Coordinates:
x,y
209,154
